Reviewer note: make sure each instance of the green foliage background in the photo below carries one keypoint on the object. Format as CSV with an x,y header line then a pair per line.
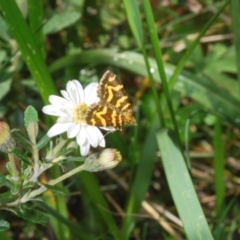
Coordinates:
x,y
180,65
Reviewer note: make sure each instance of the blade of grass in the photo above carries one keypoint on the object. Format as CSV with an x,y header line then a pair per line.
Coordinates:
x,y
58,203
189,51
219,230
186,135
235,10
35,13
219,181
141,181
35,62
218,100
29,48
77,230
181,187
181,19
93,189
160,64
144,170
134,19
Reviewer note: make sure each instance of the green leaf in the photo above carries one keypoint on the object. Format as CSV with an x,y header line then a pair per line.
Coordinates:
x,y
59,191
4,225
64,152
60,21
5,87
43,142
5,182
213,98
32,215
219,231
134,19
90,182
30,119
4,33
7,197
26,172
190,50
79,231
9,168
30,115
235,10
181,187
29,185
15,189
141,181
218,164
22,140
28,46
220,59
35,17
21,156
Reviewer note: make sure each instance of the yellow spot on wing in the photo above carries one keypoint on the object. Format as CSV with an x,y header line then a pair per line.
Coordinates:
x,y
125,106
114,108
111,90
120,101
113,116
112,78
98,114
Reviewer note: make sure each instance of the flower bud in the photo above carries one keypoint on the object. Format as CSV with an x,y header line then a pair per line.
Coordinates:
x,y
106,159
7,143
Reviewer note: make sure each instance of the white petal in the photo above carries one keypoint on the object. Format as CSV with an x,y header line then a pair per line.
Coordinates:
x,y
73,130
72,92
56,100
74,89
101,139
57,129
92,136
84,149
64,119
51,110
65,94
81,137
90,93
79,91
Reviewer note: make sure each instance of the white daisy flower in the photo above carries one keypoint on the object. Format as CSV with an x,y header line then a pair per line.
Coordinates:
x,y
71,110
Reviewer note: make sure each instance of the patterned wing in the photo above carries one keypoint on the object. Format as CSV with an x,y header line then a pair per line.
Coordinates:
x,y
112,93
101,115
114,108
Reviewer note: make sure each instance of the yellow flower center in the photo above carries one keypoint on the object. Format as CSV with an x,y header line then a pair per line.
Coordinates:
x,y
80,113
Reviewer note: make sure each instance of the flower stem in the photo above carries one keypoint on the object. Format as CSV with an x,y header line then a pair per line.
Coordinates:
x,y
35,157
66,175
13,165
29,196
52,182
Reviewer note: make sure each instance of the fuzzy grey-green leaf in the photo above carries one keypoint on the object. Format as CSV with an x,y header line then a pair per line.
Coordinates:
x,y
30,115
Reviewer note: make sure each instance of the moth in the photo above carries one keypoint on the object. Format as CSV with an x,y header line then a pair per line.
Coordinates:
x,y
114,108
